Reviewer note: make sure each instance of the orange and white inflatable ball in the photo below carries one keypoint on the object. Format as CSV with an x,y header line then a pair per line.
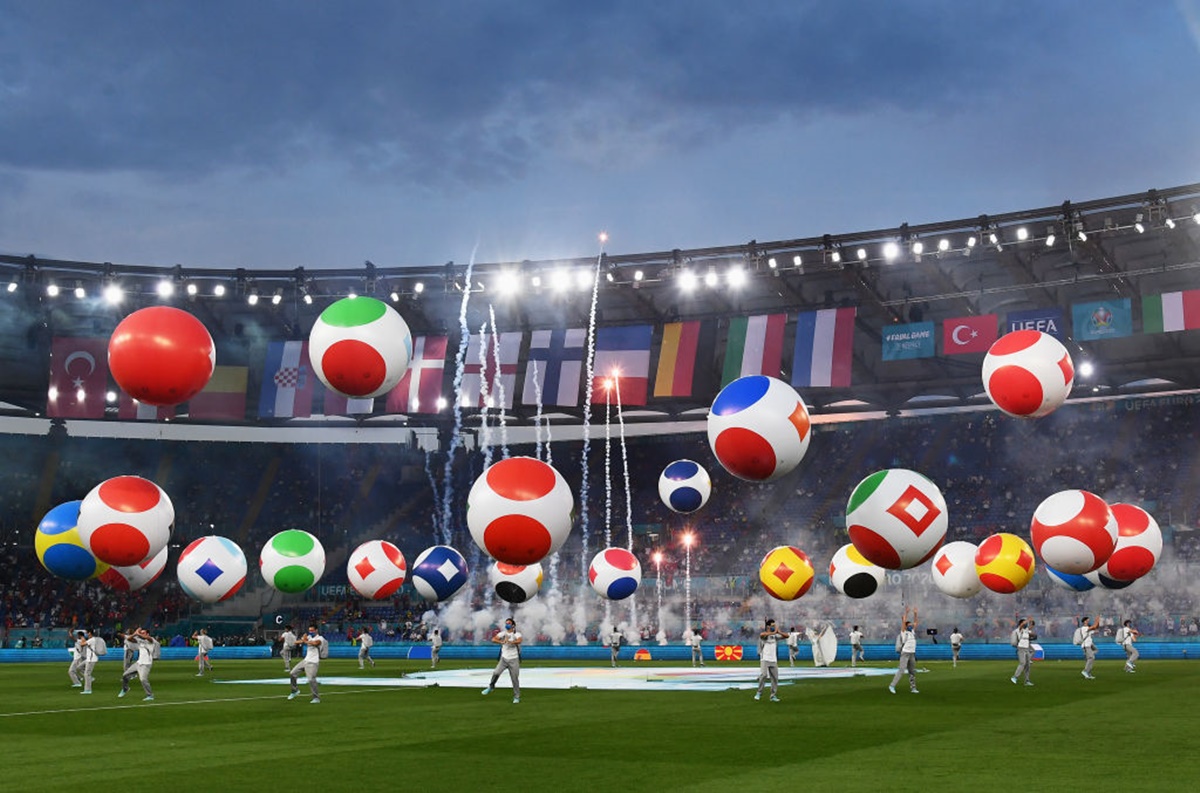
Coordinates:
x,y
1028,374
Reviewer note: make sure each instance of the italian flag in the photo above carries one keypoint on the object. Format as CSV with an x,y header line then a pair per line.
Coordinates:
x,y
1171,311
754,346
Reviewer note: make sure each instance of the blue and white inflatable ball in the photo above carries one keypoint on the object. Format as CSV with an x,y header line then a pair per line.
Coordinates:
x,y
438,573
1079,583
684,486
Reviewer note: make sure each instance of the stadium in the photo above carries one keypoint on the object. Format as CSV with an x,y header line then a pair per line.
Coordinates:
x,y
607,369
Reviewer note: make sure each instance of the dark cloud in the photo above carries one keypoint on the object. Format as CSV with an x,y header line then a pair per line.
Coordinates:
x,y
450,93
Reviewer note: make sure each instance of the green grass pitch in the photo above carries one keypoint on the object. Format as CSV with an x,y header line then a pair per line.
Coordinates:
x,y
969,729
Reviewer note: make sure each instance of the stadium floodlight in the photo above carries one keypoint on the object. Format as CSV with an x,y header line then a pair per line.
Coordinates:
x,y
1086,369
918,247
772,263
252,298
1050,238
52,393
943,245
1169,223
890,250
861,253
584,279
419,287
536,281
507,283
560,280
797,261
192,289
307,299
687,280
52,289
165,289
12,286
1138,225
441,403
972,241
277,298
110,397
1022,233
836,257
710,279
638,275
80,394
113,293
80,292
736,276
351,295
395,296
1080,233
219,290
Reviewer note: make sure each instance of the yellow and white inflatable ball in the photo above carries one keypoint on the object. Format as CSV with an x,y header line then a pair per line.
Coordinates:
x,y
853,575
953,569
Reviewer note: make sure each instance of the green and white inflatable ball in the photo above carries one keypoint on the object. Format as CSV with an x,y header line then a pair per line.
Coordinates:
x,y
360,347
292,561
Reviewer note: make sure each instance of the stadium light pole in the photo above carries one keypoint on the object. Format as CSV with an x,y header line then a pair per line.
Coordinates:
x,y
658,588
688,539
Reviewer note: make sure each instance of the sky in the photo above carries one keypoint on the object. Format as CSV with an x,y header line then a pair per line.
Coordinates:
x,y
273,135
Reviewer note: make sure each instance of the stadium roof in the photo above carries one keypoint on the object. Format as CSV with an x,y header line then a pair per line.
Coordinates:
x,y
1125,247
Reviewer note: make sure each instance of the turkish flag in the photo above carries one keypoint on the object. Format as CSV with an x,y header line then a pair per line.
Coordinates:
x,y
78,378
969,334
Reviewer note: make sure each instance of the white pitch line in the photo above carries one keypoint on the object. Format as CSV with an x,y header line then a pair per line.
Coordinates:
x,y
156,704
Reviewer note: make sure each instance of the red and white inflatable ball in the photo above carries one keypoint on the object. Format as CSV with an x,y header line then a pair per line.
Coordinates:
x,y
126,520
1073,531
520,510
615,573
1139,544
759,428
1028,374
953,569
376,569
161,355
897,518
135,577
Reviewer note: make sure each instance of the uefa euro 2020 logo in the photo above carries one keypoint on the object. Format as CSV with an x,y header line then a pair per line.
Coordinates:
x,y
1102,319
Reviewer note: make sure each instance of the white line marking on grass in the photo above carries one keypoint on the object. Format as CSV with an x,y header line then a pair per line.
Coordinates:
x,y
157,704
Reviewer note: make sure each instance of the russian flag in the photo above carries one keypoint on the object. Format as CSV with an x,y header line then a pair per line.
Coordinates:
x,y
623,357
824,353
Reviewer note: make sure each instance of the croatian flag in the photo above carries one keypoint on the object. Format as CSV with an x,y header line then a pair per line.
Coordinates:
x,y
288,381
623,358
497,369
824,352
421,387
555,366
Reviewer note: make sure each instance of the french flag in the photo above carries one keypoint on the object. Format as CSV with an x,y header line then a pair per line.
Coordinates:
x,y
824,355
622,359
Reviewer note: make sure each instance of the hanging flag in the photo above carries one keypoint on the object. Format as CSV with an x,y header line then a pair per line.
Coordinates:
x,y
622,356
677,374
1102,319
78,378
471,394
421,387
130,409
559,371
903,342
1047,320
337,405
1171,311
288,381
224,397
969,334
754,346
824,353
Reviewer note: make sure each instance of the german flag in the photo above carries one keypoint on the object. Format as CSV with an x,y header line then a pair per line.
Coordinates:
x,y
678,374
